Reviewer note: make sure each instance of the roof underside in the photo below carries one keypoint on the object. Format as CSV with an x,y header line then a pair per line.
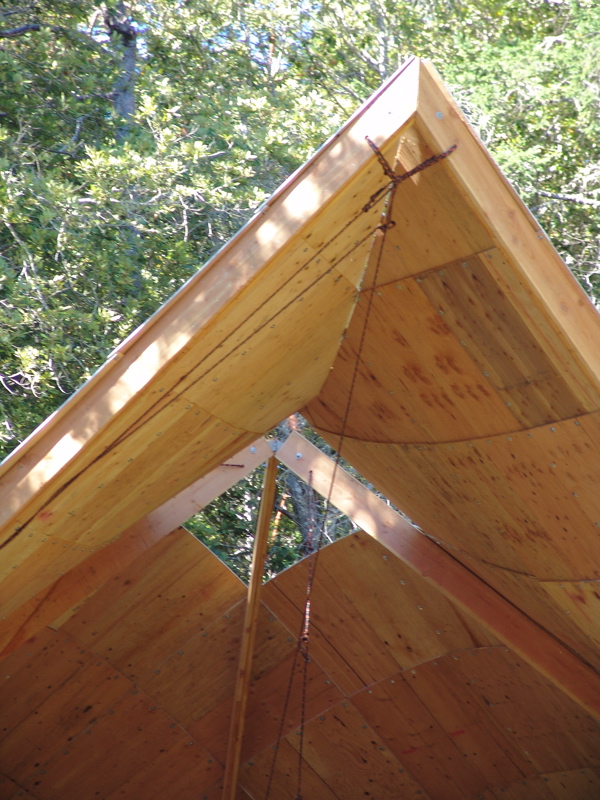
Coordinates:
x,y
454,361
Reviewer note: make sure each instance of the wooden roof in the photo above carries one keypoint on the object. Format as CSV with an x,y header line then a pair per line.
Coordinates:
x,y
432,334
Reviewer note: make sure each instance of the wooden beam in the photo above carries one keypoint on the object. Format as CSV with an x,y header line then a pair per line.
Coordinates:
x,y
531,642
49,591
240,698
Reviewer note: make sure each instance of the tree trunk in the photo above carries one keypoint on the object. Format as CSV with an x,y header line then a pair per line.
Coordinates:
x,y
118,22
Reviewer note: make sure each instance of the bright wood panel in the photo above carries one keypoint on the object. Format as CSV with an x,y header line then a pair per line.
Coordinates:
x,y
581,603
108,406
141,463
276,381
503,499
53,580
352,760
544,725
337,623
542,651
167,596
195,684
455,705
415,381
266,706
412,732
287,603
412,619
511,354
545,604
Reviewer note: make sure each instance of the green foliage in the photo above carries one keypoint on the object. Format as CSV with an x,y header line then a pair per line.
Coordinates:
x,y
227,525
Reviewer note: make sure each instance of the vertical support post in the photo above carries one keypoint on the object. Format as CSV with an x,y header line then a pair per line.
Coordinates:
x,y
242,685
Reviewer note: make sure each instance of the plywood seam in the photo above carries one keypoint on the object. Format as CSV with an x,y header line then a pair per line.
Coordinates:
x,y
64,486
471,440
541,581
315,627
428,271
454,549
433,660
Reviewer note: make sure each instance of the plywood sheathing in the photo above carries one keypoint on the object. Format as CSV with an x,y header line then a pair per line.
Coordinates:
x,y
450,725
149,670
498,611
475,399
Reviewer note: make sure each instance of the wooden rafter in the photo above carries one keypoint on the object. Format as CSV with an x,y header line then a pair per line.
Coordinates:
x,y
531,642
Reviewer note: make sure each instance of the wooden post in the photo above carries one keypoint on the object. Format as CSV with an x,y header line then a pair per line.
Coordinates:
x,y
242,685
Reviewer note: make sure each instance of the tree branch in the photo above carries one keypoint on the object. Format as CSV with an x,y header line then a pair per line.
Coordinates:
x,y
20,30
571,198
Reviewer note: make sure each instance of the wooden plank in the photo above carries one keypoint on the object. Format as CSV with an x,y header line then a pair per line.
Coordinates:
x,y
528,640
244,674
446,491
267,698
504,500
408,616
192,500
202,441
539,598
420,386
494,334
350,757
